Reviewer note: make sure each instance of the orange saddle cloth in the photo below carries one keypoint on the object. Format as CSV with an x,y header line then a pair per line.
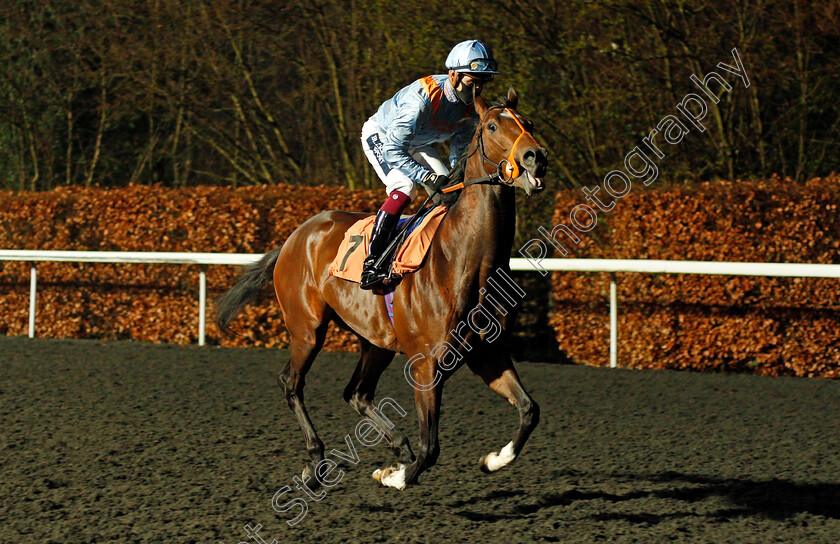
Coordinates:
x,y
354,249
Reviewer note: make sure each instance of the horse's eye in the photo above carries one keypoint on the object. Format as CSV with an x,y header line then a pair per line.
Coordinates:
x,y
492,127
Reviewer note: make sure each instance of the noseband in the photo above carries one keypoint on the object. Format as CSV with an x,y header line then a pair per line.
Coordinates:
x,y
511,169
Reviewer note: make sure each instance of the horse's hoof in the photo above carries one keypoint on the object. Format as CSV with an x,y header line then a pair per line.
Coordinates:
x,y
494,461
391,476
377,474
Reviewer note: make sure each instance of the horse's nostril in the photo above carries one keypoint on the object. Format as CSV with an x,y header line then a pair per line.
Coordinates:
x,y
529,157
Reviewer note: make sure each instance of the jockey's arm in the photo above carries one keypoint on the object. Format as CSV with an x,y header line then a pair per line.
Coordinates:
x,y
413,114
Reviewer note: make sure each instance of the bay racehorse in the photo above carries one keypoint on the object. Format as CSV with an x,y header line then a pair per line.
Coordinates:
x,y
472,242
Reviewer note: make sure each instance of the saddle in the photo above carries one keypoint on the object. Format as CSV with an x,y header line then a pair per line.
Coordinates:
x,y
409,257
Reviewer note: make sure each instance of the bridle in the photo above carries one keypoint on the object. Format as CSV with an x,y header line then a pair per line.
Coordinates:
x,y
507,169
506,172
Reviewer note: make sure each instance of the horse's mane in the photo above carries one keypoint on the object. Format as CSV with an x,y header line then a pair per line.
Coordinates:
x,y
458,171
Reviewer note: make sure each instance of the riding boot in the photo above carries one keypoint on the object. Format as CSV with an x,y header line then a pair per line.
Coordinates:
x,y
383,231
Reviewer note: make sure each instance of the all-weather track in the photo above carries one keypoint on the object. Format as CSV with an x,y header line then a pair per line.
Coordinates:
x,y
133,443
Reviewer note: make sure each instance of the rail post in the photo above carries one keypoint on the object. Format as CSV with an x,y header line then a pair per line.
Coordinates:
x,y
202,305
613,322
33,293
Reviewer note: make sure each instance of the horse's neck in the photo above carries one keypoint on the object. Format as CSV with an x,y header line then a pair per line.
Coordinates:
x,y
482,223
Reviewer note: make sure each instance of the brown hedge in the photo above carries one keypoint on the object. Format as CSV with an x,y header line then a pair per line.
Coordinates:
x,y
151,302
771,326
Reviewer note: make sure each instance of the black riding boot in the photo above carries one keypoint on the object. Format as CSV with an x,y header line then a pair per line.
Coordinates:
x,y
383,231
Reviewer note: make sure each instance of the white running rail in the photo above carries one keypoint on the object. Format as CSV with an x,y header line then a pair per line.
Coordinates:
x,y
542,265
150,257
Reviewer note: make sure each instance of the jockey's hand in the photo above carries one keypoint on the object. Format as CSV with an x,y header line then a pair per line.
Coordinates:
x,y
435,181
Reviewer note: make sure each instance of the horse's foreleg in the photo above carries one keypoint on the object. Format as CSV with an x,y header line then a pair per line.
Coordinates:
x,y
360,392
498,372
428,415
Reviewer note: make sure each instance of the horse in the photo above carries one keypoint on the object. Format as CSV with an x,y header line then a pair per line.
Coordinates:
x,y
474,240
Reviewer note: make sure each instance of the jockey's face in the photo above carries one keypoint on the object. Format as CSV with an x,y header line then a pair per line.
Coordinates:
x,y
464,84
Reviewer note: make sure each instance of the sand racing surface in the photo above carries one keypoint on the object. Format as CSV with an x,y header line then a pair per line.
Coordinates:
x,y
125,442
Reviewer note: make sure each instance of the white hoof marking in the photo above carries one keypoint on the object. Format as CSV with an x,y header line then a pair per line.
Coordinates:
x,y
391,476
494,461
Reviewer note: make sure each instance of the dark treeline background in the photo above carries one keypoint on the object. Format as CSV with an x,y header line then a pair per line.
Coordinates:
x,y
187,92
244,92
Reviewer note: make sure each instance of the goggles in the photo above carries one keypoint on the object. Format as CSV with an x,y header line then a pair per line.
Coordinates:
x,y
478,65
479,77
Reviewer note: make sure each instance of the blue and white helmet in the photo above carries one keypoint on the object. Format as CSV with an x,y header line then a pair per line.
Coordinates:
x,y
472,57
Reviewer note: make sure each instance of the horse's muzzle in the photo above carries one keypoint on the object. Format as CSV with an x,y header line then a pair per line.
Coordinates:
x,y
536,161
535,164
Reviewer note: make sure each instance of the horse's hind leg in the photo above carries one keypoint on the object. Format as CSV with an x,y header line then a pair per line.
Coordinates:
x,y
306,340
498,372
360,391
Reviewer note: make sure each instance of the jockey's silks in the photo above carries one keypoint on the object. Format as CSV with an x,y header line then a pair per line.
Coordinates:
x,y
420,114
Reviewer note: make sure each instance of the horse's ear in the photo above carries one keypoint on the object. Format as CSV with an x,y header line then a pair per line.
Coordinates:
x,y
480,106
512,99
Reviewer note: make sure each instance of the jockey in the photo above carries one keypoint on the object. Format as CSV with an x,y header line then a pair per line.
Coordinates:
x,y
398,139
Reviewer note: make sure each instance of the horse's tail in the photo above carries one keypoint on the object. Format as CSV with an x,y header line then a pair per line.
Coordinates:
x,y
249,285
